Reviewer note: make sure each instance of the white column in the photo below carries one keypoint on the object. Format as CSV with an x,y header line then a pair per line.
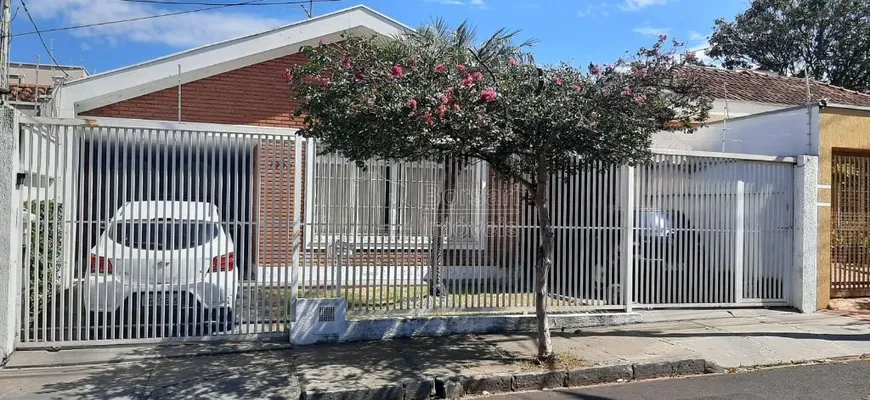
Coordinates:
x,y
10,237
804,274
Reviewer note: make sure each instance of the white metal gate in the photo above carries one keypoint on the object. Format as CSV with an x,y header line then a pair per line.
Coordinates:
x,y
137,233
148,231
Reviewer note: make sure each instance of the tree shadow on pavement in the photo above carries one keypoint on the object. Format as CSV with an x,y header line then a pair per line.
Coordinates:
x,y
209,373
233,370
389,363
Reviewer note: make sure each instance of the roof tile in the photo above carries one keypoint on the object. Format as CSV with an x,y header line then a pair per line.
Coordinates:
x,y
749,85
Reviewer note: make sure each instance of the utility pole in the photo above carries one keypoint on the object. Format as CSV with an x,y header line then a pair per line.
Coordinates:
x,y
4,49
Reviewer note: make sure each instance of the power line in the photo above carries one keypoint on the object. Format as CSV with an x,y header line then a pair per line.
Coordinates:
x,y
36,29
246,3
205,3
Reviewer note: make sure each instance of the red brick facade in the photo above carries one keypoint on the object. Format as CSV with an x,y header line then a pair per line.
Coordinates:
x,y
254,95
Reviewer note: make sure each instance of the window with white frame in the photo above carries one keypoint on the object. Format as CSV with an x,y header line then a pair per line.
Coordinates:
x,y
389,204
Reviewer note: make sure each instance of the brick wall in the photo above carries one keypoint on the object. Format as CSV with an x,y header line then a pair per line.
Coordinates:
x,y
254,95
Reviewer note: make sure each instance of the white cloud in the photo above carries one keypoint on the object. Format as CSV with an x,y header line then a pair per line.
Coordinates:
x,y
635,5
647,30
595,10
185,30
696,37
699,44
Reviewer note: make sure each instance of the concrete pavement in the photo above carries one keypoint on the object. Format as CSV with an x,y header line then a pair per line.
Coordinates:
x,y
731,339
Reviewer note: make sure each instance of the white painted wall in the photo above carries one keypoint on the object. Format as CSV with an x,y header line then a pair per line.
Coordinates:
x,y
786,132
737,108
10,242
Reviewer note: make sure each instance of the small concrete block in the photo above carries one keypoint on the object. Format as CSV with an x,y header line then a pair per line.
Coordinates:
x,y
417,389
448,388
539,380
491,384
387,392
594,376
669,368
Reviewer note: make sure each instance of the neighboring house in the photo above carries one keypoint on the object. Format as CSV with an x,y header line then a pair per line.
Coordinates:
x,y
786,116
30,85
740,93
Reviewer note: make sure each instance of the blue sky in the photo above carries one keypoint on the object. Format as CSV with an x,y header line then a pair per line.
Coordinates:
x,y
577,31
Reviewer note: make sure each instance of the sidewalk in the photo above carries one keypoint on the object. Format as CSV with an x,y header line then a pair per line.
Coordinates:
x,y
730,339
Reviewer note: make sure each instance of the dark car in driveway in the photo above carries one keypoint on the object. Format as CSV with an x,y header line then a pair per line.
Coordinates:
x,y
671,262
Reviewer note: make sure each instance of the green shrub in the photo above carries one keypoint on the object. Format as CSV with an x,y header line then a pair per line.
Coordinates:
x,y
46,253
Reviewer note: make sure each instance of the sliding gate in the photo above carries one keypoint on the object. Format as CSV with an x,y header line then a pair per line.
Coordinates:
x,y
137,233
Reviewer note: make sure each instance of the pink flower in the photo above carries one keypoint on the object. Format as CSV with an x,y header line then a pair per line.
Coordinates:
x,y
398,72
640,99
371,101
412,104
442,109
641,73
480,116
691,56
359,76
445,99
456,107
595,69
627,91
558,81
428,118
579,88
512,63
287,75
476,76
460,67
441,68
346,62
468,81
488,95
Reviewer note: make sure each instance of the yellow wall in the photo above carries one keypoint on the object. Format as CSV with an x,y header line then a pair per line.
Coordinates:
x,y
839,129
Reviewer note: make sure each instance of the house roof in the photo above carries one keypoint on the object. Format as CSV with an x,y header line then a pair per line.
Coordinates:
x,y
151,76
761,87
25,92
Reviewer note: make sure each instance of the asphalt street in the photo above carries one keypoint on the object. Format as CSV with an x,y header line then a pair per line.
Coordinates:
x,y
821,381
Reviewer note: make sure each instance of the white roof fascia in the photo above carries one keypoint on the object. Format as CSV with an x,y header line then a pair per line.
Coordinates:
x,y
151,76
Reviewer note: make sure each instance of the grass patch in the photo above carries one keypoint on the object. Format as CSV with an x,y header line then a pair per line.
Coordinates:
x,y
403,300
559,362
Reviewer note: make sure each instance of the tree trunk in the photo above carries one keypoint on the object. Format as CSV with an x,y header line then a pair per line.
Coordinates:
x,y
545,259
439,233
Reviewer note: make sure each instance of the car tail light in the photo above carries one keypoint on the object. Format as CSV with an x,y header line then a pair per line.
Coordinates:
x,y
101,264
224,262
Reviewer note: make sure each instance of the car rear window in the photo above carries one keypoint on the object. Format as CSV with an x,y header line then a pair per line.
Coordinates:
x,y
652,221
163,234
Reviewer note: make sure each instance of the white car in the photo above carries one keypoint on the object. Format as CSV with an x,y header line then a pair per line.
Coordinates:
x,y
165,263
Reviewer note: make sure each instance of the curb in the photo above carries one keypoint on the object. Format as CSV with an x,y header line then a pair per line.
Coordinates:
x,y
461,386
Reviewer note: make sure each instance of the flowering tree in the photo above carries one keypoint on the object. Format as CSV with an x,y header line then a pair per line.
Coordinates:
x,y
433,95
